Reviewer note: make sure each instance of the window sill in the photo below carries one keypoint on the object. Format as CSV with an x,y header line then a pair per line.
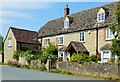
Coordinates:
x,y
82,41
60,44
109,39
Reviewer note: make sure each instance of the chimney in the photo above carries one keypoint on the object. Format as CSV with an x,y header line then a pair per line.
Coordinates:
x,y
66,11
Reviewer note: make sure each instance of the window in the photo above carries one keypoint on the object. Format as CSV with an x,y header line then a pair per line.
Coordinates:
x,y
106,54
46,41
101,17
60,40
10,42
109,34
66,24
82,36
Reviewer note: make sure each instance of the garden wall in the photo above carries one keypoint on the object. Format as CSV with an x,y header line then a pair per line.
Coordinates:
x,y
0,57
94,69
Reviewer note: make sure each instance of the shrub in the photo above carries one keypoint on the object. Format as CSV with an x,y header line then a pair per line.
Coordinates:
x,y
17,54
55,71
25,66
93,58
60,59
42,67
80,58
67,72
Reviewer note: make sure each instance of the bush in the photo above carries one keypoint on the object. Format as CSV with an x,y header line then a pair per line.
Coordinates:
x,y
93,58
55,71
80,58
17,54
67,72
25,66
42,67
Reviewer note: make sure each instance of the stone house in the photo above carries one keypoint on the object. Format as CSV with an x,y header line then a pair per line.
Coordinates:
x,y
19,39
85,31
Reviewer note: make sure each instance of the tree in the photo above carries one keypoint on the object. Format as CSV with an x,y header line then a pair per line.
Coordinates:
x,y
1,41
115,27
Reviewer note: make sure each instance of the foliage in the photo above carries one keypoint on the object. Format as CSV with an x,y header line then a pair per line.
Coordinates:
x,y
60,59
28,56
55,71
115,27
49,52
83,58
1,41
93,58
60,71
42,67
25,66
17,54
80,58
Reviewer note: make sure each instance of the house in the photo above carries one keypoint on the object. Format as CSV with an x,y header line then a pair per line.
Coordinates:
x,y
85,31
19,39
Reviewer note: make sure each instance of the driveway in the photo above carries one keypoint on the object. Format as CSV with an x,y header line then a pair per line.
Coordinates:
x,y
10,73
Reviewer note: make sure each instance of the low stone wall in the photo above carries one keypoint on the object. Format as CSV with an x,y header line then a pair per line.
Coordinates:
x,y
0,58
94,69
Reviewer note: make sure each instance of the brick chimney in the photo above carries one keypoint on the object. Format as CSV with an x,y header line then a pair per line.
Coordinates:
x,y
66,11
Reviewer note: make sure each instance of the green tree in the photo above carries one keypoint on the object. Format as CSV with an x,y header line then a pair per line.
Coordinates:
x,y
115,27
1,41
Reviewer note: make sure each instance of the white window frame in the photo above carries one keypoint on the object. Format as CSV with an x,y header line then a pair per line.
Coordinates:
x,y
102,55
83,36
109,34
101,17
66,24
10,42
59,40
46,41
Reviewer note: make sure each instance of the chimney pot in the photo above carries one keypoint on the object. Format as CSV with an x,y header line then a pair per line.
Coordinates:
x,y
66,11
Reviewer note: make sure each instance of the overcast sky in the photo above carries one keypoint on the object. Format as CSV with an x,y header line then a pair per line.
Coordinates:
x,y
33,15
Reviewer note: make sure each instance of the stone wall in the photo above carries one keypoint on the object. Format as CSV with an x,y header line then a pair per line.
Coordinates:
x,y
94,69
0,57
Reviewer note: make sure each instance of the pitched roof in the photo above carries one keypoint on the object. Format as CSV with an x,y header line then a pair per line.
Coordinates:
x,y
83,20
25,36
106,47
63,48
78,46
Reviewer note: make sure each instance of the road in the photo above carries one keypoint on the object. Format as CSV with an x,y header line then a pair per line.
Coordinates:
x,y
11,73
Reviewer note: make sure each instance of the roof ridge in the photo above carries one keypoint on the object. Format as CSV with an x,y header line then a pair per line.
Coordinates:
x,y
22,29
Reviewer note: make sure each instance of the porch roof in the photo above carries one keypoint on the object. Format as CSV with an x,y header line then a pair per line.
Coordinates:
x,y
106,47
77,46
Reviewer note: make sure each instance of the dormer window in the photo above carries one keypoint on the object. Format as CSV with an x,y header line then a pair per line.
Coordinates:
x,y
101,15
66,22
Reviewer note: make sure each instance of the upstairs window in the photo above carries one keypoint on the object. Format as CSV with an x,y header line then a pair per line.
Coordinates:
x,y
60,40
10,42
46,41
82,36
101,17
66,24
109,34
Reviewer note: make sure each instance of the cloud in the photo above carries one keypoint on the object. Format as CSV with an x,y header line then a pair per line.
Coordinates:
x,y
5,21
13,14
25,5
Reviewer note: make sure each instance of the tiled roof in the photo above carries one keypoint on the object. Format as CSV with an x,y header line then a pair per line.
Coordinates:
x,y
62,48
106,47
78,46
83,20
25,36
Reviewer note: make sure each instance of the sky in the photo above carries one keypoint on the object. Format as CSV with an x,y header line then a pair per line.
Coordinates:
x,y
33,15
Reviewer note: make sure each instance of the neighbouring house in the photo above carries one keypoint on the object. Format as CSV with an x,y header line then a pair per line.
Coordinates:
x,y
19,39
85,31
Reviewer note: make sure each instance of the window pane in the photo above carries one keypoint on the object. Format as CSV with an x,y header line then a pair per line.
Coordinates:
x,y
82,36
